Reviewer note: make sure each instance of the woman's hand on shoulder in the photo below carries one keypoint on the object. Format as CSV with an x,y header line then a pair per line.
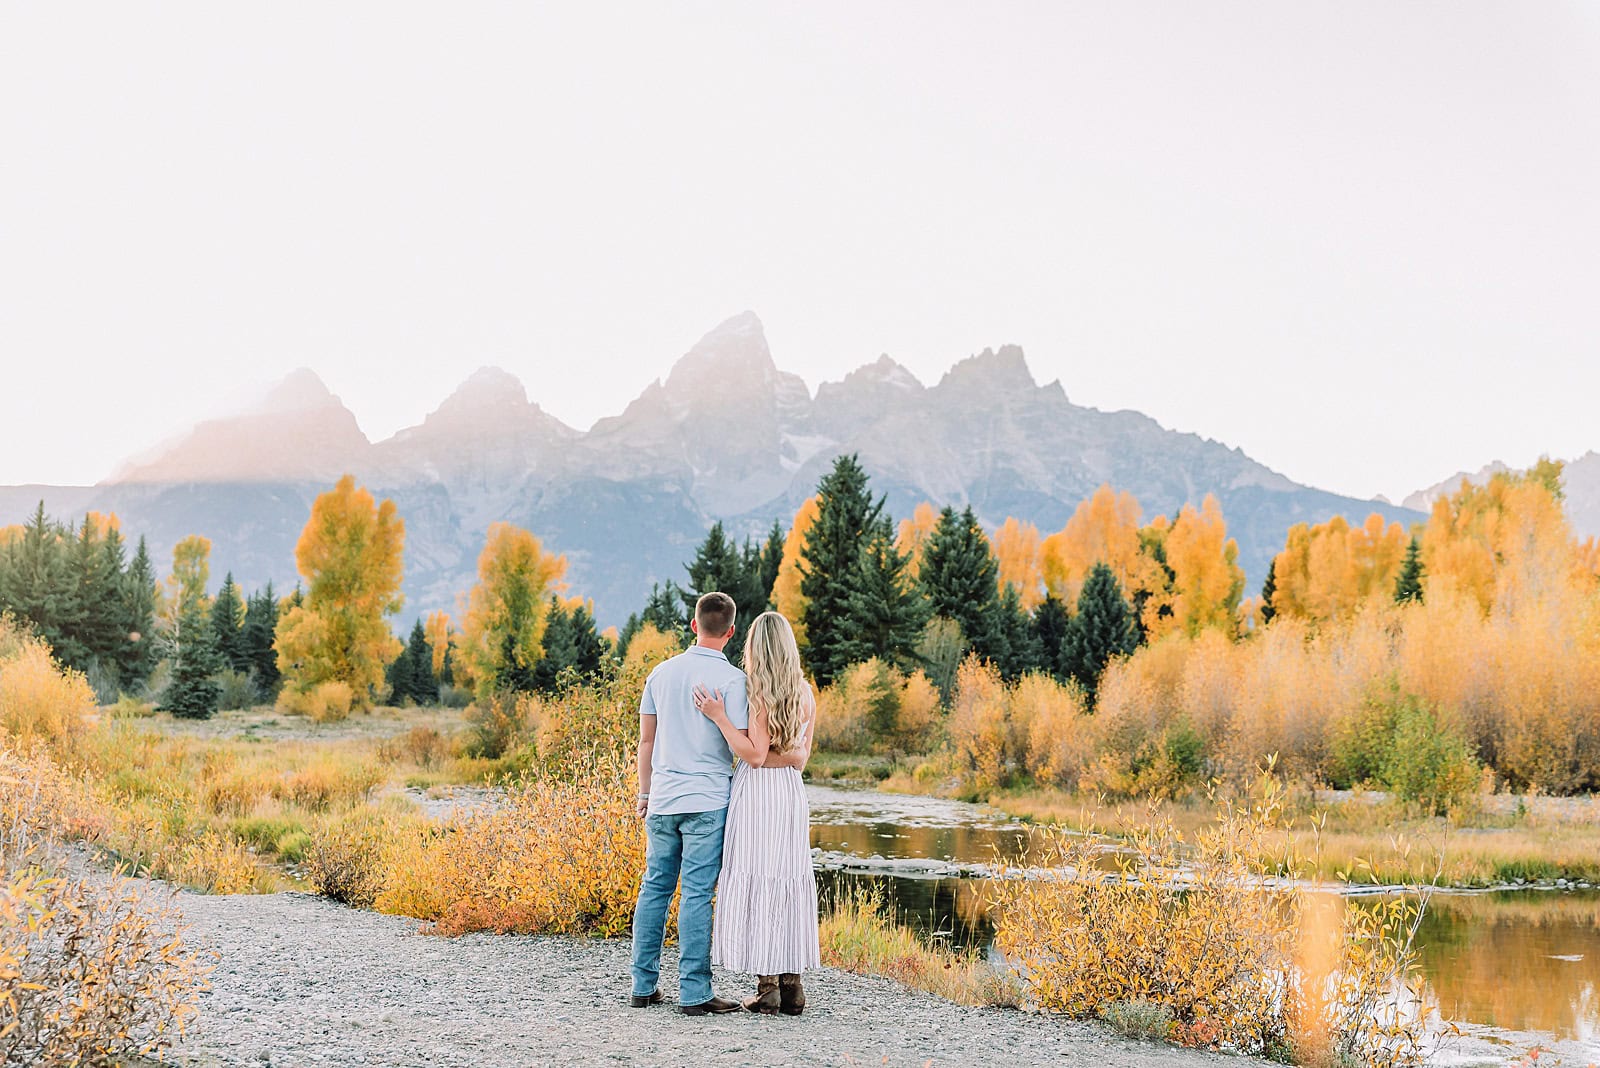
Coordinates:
x,y
710,704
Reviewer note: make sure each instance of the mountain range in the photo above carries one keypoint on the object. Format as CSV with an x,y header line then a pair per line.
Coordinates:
x,y
726,435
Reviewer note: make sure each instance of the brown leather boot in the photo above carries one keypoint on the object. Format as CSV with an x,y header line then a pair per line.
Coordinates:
x,y
767,1000
791,995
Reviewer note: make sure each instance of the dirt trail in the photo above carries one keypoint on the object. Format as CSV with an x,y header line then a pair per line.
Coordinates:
x,y
302,981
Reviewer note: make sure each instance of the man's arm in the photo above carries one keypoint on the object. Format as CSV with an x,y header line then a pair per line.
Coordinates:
x,y
647,746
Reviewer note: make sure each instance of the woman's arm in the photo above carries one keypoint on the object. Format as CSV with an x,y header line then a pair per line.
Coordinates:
x,y
797,757
753,746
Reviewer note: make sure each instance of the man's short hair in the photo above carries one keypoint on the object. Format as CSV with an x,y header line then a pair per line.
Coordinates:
x,y
714,613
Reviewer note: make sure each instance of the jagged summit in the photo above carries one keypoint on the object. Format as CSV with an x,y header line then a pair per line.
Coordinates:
x,y
488,387
1005,368
734,353
300,390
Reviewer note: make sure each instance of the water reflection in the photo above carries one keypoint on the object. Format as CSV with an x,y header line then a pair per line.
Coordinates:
x,y
1526,960
1521,960
950,912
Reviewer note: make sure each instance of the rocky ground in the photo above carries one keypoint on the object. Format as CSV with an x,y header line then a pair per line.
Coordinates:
x,y
302,981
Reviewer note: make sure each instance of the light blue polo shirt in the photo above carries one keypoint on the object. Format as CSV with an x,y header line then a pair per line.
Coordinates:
x,y
691,766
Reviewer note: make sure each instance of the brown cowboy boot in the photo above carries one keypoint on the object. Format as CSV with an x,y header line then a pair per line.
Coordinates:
x,y
791,995
766,1001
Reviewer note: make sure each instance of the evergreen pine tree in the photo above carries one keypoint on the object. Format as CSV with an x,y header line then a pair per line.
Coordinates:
x,y
138,615
410,676
663,609
771,560
101,560
1103,628
38,578
960,578
1051,624
1269,589
227,623
193,691
884,611
560,648
1408,585
847,516
74,604
588,647
256,638
1021,651
719,564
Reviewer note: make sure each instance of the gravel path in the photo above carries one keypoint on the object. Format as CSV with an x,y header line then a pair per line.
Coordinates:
x,y
303,981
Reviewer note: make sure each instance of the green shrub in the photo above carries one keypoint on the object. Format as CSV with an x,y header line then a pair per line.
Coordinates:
x,y
1138,1018
1427,762
235,690
1397,741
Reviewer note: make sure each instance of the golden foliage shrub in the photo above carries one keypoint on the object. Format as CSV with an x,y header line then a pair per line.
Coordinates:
x,y
322,702
568,730
980,731
875,707
40,701
95,974
919,718
1204,930
351,858
649,647
328,781
841,720
426,747
1061,735
559,856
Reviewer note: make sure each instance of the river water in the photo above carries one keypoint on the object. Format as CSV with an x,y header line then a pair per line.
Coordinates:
x,y
1515,968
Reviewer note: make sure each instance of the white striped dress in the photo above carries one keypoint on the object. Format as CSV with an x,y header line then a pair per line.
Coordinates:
x,y
766,915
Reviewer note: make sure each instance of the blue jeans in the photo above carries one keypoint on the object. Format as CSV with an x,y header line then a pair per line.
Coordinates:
x,y
689,843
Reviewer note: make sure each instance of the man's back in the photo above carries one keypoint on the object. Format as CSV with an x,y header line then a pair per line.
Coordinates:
x,y
691,765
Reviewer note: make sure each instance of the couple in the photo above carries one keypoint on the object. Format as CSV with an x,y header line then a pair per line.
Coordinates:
x,y
706,818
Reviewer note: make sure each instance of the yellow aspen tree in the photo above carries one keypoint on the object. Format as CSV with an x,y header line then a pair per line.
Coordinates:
x,y
441,637
191,572
1103,529
913,536
1472,534
350,558
1207,581
102,524
1016,548
787,599
502,633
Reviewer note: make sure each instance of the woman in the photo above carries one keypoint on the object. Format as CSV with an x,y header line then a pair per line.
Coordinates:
x,y
766,917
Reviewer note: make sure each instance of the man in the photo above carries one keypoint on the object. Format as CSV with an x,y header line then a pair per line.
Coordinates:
x,y
685,770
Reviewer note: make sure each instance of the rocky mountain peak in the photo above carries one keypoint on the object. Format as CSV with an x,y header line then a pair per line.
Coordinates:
x,y
301,390
734,353
886,370
486,388
994,370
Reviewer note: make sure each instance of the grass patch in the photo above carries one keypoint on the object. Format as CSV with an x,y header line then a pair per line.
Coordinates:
x,y
860,935
849,767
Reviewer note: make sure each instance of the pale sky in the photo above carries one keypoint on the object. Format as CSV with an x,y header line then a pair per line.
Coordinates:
x,y
1359,240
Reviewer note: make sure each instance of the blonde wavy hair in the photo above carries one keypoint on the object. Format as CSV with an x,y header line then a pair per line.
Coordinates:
x,y
775,681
